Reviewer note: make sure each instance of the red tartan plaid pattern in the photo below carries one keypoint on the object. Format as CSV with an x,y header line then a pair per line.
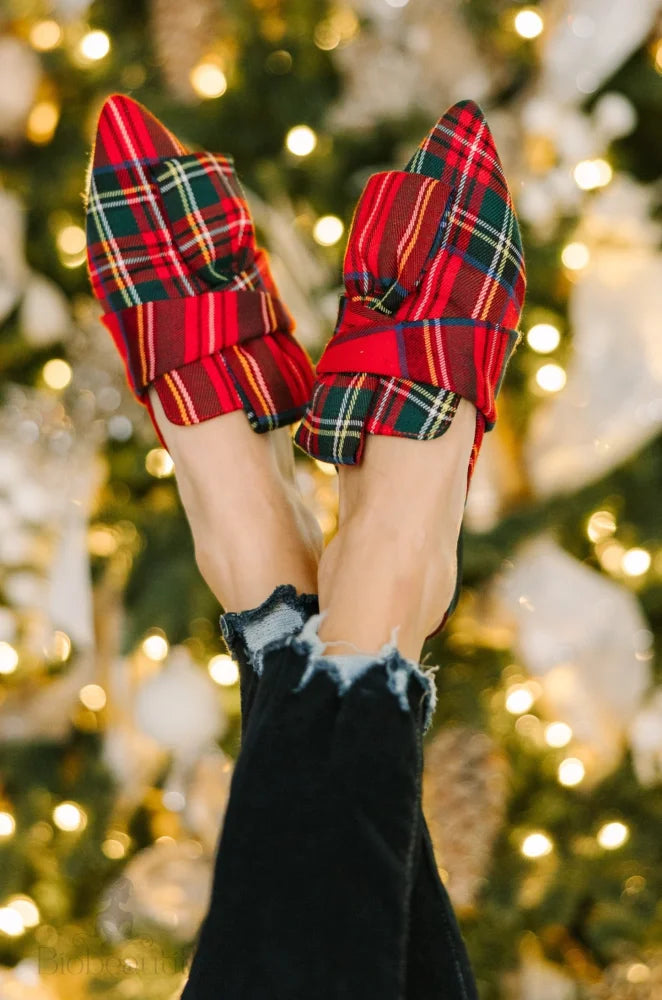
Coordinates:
x,y
187,294
434,286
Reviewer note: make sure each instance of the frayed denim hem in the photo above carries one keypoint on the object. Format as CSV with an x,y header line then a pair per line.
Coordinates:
x,y
282,614
345,669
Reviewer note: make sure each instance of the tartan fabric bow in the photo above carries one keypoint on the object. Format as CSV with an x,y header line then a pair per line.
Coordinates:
x,y
187,294
434,286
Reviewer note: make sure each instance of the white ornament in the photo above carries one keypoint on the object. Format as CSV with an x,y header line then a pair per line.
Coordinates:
x,y
70,10
7,625
207,797
589,42
165,886
614,115
44,712
25,589
13,266
20,71
392,67
646,740
70,584
542,116
44,314
578,631
180,708
297,268
135,761
612,402
573,136
539,979
536,202
24,982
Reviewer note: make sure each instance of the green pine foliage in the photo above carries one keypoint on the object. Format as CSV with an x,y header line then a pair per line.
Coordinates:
x,y
585,899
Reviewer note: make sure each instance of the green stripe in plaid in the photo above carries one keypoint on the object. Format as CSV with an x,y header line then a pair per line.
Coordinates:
x,y
341,413
187,295
434,283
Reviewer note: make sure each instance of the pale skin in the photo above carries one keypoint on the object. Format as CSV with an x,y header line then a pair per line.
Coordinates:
x,y
393,560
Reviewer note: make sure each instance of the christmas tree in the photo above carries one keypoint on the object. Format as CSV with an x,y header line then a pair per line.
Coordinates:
x,y
119,711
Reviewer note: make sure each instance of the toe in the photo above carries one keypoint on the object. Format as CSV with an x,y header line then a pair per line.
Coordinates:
x,y
128,133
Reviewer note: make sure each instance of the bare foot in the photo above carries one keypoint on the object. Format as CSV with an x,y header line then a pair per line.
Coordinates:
x,y
251,529
393,561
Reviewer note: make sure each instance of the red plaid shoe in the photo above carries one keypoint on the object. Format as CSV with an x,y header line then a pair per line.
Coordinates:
x,y
434,286
187,295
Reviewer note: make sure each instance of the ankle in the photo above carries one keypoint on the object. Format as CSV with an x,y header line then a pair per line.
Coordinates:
x,y
367,588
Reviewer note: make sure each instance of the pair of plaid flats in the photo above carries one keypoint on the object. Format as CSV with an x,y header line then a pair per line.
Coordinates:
x,y
433,289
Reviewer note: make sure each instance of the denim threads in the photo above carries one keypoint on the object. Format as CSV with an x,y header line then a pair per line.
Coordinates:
x,y
282,614
346,669
274,717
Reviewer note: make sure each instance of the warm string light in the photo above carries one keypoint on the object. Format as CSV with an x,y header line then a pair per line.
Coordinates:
x,y
11,923
7,824
658,56
611,555
208,79
328,230
558,734
551,377
613,835
592,174
45,35
116,844
636,562
528,23
571,772
223,670
159,463
59,647
93,697
57,373
8,658
42,122
155,646
94,46
69,817
536,845
71,243
543,338
575,256
337,29
638,973
600,525
519,699
301,140
26,908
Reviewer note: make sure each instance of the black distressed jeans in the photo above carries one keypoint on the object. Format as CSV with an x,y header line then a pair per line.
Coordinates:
x,y
325,884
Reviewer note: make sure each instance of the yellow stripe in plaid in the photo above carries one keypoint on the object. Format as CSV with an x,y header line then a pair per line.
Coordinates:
x,y
501,257
178,399
193,215
263,396
420,214
349,403
141,343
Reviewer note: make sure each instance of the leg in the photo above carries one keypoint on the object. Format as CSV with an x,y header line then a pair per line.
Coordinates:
x,y
437,964
393,561
314,874
251,529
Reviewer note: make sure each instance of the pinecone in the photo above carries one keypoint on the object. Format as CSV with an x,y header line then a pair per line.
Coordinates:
x,y
635,979
181,33
464,798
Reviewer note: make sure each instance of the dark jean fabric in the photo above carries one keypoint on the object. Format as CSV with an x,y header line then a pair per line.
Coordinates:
x,y
325,883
